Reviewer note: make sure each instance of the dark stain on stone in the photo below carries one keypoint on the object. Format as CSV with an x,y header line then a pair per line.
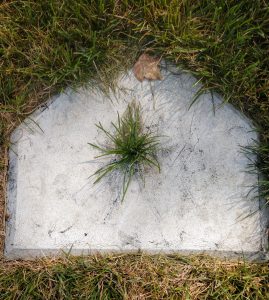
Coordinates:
x,y
50,232
181,235
43,107
65,230
11,184
111,210
7,216
127,239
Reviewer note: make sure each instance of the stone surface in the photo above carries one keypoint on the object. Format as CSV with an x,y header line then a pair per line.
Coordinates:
x,y
199,201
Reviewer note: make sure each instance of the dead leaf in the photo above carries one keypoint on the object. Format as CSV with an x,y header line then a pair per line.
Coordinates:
x,y
147,67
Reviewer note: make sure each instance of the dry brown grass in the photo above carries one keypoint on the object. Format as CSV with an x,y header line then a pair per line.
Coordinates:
x,y
133,276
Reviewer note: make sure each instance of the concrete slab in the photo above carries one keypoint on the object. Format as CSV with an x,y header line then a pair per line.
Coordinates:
x,y
199,202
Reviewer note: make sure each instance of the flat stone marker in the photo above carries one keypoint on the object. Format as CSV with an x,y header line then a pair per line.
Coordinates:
x,y
199,201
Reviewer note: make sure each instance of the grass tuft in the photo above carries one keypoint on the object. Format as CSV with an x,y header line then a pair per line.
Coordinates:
x,y
260,166
131,148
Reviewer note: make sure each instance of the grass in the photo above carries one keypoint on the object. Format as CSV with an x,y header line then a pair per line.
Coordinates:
x,y
131,148
134,276
259,165
48,45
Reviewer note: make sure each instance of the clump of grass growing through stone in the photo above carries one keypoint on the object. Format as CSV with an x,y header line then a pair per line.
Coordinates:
x,y
131,148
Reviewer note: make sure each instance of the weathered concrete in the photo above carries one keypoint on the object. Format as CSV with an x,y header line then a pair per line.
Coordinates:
x,y
198,202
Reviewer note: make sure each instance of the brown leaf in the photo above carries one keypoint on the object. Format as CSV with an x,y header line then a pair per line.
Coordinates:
x,y
147,67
